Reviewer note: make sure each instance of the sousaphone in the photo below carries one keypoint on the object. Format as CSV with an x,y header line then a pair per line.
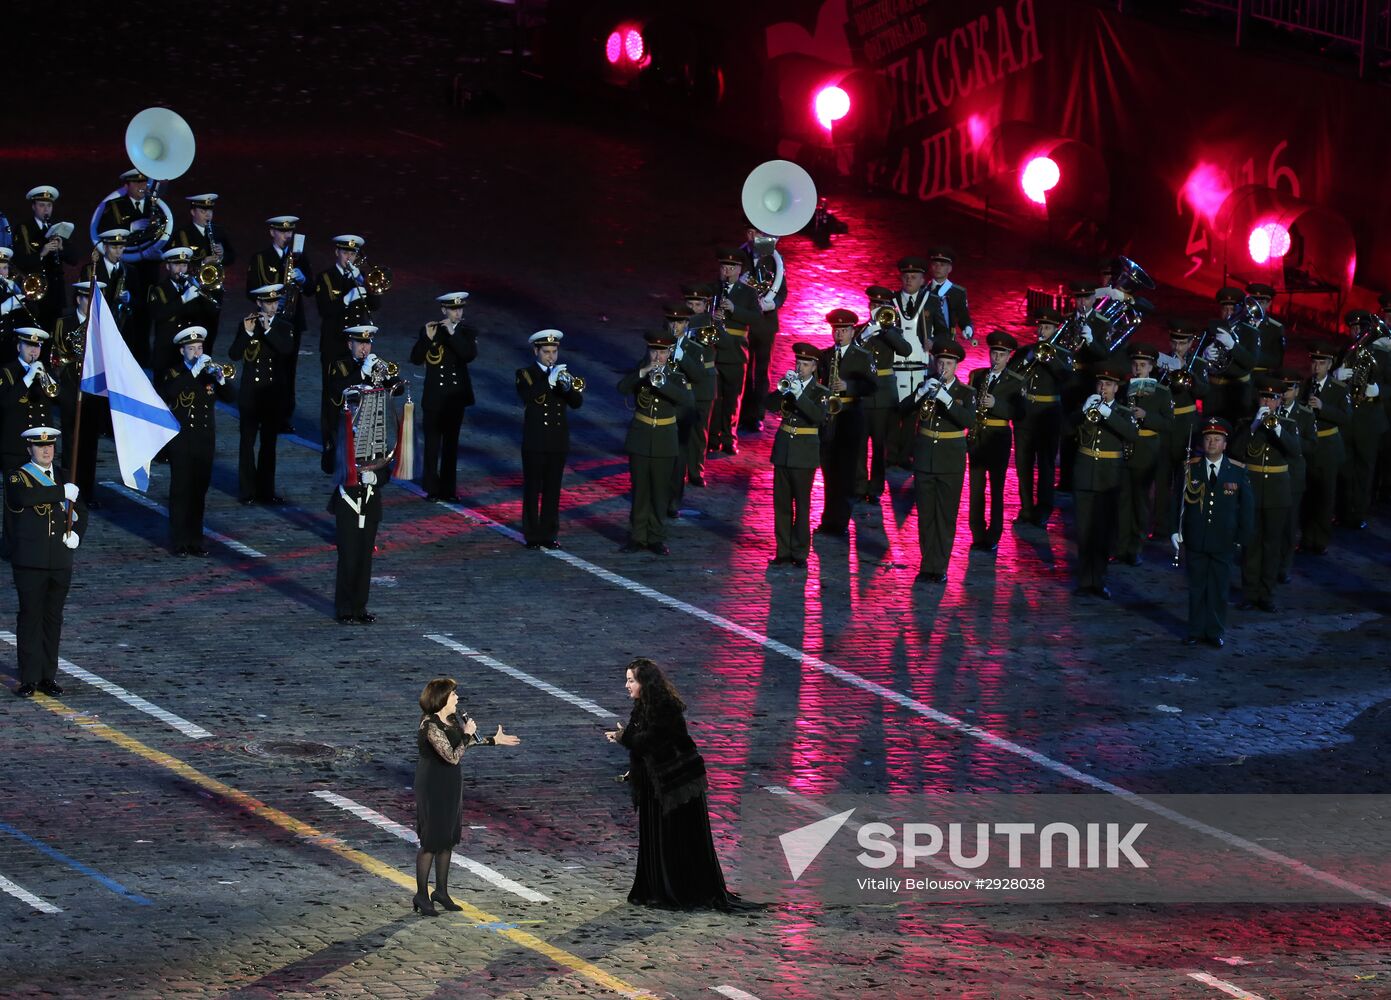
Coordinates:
x,y
160,145
779,197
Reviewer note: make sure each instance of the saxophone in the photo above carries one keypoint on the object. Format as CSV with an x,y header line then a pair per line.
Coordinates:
x,y
122,310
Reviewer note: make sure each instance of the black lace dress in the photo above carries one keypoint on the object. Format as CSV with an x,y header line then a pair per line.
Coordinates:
x,y
677,865
439,785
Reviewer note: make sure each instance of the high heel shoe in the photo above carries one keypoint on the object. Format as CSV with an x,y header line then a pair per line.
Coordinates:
x,y
422,904
443,899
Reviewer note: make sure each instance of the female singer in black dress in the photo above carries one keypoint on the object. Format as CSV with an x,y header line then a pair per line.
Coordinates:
x,y
439,788
677,866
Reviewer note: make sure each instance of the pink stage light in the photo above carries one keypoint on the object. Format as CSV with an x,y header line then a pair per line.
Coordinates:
x,y
633,45
613,48
1268,240
830,106
1039,176
1206,189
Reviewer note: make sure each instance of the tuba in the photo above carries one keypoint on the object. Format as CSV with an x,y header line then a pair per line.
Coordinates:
x,y
1122,312
160,145
778,197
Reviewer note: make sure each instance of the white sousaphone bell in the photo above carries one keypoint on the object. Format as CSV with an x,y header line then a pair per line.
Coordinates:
x,y
779,197
160,145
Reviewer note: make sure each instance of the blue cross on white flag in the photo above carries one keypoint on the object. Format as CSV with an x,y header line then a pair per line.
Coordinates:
x,y
141,423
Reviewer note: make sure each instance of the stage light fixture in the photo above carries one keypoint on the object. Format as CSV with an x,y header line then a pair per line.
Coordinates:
x,y
613,48
830,105
1039,176
633,45
1268,241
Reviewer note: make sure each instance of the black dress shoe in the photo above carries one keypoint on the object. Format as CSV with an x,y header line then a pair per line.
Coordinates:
x,y
1246,606
658,549
1132,560
729,448
1191,640
780,561
246,501
182,550
533,545
1102,592
799,563
1023,519
696,480
197,550
552,544
49,687
826,529
1266,606
24,691
1215,643
346,620
366,618
1082,591
277,501
95,504
673,513
631,547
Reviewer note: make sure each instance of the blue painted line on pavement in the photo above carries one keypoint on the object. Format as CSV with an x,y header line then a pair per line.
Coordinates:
x,y
75,865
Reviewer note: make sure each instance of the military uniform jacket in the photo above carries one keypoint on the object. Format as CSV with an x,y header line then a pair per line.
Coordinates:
x,y
121,278
1270,345
1215,521
1266,457
171,313
194,401
446,360
1329,420
1007,386
268,268
257,351
330,290
733,345
856,372
653,430
958,314
1185,398
120,212
697,363
68,326
1101,447
345,372
1042,389
546,422
21,407
940,447
188,235
360,500
28,245
40,520
884,344
1303,419
1158,405
797,445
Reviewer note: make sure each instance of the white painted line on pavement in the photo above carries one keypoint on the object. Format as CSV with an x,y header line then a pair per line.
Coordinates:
x,y
397,830
136,702
160,509
524,677
1225,987
20,893
926,711
734,993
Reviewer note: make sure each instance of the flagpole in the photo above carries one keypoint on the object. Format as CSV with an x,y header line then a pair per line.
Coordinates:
x,y
86,345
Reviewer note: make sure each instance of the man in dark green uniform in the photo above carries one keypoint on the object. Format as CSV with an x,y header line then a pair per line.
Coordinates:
x,y
548,392
445,347
1264,448
1291,409
802,406
1038,422
844,368
192,389
660,393
734,306
1230,354
1153,408
1332,411
1362,434
1103,427
697,360
885,344
995,390
1185,376
1270,332
688,356
946,411
1217,517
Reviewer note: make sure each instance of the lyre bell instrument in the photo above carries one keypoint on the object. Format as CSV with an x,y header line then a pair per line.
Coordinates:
x,y
778,197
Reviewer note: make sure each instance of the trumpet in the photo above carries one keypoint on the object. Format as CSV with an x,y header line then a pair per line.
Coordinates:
x,y
384,371
209,279
565,381
657,377
47,383
34,286
886,316
788,381
1271,420
1093,413
374,278
215,368
706,336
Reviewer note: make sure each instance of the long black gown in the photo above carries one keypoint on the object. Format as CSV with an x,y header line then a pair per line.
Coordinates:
x,y
439,786
677,865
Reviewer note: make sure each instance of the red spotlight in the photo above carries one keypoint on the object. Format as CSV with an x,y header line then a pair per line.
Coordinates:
x,y
830,106
633,46
613,48
1268,241
1039,176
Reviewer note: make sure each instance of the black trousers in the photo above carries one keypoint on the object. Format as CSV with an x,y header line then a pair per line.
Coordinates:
x,y
1359,466
939,499
442,425
729,384
1261,560
261,416
1209,577
756,378
1291,539
190,475
1320,490
542,472
355,544
839,450
874,439
650,478
1136,505
1096,526
685,424
42,594
696,443
792,511
286,370
989,463
1035,461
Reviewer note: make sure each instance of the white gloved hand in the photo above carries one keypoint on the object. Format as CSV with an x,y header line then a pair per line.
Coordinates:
x,y
1373,390
1087,333
190,293
1382,343
553,375
352,296
767,303
1104,409
1092,400
9,305
70,539
70,492
871,328
1167,362
944,396
297,276
680,351
798,387
1210,352
32,374
200,364
1176,540
1226,339
1343,374
367,477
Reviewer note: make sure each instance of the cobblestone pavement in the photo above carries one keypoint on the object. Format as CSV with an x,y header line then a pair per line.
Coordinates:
x,y
236,833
